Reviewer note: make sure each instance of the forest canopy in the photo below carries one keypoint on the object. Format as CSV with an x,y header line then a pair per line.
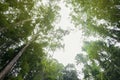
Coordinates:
x,y
28,33
101,20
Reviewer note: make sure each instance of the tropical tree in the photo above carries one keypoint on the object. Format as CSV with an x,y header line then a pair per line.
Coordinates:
x,y
97,17
91,69
107,57
101,20
26,27
70,73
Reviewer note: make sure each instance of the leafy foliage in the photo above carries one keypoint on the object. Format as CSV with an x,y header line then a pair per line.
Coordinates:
x,y
99,19
29,22
69,72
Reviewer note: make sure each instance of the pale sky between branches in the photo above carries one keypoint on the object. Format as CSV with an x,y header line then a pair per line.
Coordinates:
x,y
73,42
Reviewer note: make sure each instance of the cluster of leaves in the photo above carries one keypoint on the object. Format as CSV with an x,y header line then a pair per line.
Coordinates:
x,y
99,19
69,72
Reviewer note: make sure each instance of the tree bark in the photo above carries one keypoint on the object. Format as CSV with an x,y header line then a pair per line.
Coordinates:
x,y
16,58
13,61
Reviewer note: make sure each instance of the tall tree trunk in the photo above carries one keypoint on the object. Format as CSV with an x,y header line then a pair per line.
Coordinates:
x,y
16,58
13,61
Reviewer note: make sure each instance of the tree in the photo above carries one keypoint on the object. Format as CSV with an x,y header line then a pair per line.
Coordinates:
x,y
91,69
69,72
52,69
107,56
101,61
99,19
29,64
21,24
34,65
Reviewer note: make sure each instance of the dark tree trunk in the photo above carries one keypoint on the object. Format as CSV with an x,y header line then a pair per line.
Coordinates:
x,y
16,58
12,62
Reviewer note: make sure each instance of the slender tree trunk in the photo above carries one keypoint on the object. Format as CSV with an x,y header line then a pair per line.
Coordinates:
x,y
16,58
13,61
42,77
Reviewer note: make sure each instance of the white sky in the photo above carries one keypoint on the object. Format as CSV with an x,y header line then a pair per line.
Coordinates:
x,y
73,41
